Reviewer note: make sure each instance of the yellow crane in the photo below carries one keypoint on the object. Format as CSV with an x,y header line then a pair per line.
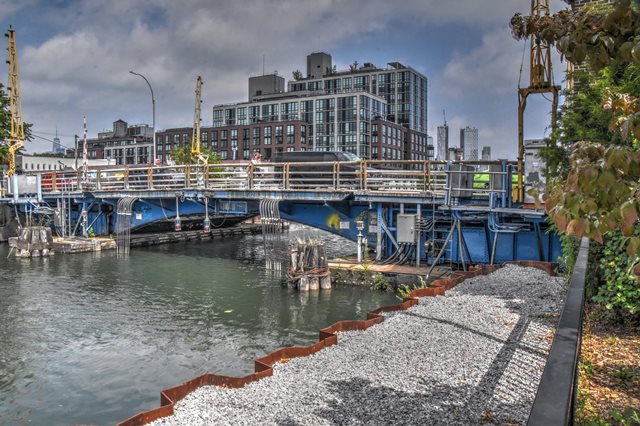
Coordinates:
x,y
540,81
16,131
195,138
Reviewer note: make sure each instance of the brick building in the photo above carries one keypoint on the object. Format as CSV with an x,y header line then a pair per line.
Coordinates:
x,y
124,144
372,112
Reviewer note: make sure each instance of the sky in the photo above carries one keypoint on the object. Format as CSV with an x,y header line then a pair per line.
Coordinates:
x,y
75,58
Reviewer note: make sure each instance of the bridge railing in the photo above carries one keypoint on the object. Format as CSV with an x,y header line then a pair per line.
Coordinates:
x,y
440,179
59,182
479,179
405,176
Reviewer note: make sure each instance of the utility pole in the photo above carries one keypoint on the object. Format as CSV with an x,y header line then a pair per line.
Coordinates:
x,y
75,151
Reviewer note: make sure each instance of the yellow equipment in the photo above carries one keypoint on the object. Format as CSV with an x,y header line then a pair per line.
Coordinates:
x,y
195,138
540,81
16,132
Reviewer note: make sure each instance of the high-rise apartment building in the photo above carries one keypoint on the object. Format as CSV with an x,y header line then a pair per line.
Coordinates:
x,y
443,142
469,143
375,113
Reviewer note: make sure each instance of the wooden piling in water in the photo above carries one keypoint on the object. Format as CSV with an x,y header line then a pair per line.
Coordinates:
x,y
33,241
309,267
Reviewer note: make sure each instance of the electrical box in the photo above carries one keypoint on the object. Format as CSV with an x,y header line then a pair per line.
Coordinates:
x,y
406,228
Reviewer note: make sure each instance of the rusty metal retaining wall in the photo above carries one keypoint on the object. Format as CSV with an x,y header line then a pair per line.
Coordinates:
x,y
328,337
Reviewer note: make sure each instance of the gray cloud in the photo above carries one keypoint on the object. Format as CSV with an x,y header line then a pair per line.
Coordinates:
x,y
83,67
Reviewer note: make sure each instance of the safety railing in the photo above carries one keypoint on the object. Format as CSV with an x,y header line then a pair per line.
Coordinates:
x,y
59,182
457,179
555,400
405,176
474,179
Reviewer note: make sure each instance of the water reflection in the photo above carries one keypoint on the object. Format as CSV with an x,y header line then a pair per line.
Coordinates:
x,y
92,338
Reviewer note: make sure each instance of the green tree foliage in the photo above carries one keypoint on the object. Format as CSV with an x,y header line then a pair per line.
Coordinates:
x,y
595,153
183,155
599,34
600,123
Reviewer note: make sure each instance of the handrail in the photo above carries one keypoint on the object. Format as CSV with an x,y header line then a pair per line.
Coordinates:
x,y
556,397
375,176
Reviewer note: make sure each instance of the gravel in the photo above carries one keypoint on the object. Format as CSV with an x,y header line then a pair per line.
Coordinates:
x,y
473,356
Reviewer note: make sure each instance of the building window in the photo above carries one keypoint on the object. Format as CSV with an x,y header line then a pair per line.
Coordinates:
x,y
267,135
176,139
223,155
278,135
185,137
214,139
217,118
256,136
204,136
291,129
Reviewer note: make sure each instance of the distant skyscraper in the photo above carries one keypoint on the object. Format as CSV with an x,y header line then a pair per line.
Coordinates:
x,y
443,142
469,143
486,153
56,144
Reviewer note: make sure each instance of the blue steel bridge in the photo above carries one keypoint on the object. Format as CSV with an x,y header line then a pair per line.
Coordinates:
x,y
410,211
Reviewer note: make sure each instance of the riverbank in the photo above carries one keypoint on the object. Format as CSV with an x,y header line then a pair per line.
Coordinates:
x,y
475,355
118,329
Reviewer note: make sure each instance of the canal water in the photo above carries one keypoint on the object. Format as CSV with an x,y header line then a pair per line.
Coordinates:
x,y
93,338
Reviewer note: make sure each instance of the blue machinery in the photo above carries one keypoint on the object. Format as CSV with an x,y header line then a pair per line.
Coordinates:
x,y
413,211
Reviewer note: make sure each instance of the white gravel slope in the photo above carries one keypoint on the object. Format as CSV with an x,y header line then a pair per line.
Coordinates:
x,y
476,353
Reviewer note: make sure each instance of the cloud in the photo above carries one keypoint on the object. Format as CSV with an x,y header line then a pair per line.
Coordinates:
x,y
77,55
491,68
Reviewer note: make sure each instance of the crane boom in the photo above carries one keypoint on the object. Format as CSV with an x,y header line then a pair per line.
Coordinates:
x,y
16,131
195,138
540,81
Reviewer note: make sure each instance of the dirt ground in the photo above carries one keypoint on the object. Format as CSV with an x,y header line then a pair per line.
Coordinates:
x,y
609,386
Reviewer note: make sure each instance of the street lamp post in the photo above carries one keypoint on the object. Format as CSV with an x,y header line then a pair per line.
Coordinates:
x,y
153,106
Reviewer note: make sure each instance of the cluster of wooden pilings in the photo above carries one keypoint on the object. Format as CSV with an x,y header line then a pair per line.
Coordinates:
x,y
309,267
33,241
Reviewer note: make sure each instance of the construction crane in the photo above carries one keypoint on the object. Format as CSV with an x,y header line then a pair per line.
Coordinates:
x,y
16,131
540,81
195,138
